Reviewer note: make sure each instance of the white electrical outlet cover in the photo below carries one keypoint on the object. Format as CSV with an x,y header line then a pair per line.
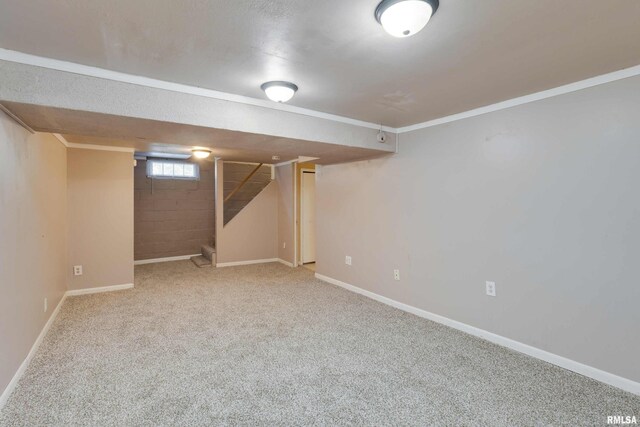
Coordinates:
x,y
491,289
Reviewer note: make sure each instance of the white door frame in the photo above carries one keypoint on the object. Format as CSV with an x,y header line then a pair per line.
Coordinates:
x,y
295,214
302,171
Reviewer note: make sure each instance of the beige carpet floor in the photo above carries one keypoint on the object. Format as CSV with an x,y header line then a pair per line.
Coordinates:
x,y
270,345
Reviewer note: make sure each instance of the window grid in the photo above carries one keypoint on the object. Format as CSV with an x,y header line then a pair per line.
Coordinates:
x,y
166,169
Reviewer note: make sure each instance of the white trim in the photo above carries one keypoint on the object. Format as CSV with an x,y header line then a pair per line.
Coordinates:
x,y
302,172
296,168
85,70
247,163
62,139
287,263
25,363
563,362
54,64
101,147
306,159
16,119
34,348
167,259
288,162
68,144
254,261
561,90
87,291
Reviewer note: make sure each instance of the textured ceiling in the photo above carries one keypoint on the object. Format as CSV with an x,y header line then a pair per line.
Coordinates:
x,y
473,53
82,127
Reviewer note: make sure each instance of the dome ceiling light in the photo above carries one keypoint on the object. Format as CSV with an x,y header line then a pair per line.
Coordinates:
x,y
200,153
279,91
404,18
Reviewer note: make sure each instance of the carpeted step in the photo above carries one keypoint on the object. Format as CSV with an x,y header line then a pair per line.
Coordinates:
x,y
200,261
208,252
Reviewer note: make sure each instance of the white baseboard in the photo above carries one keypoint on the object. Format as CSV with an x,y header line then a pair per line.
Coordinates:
x,y
255,261
23,367
101,289
167,259
25,363
287,263
563,362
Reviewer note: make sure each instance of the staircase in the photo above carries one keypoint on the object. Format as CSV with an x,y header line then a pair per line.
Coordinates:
x,y
208,257
242,183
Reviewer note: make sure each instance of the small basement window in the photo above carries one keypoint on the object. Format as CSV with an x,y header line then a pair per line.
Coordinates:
x,y
170,169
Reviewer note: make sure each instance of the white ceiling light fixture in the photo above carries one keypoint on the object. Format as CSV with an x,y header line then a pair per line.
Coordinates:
x,y
404,18
200,153
279,91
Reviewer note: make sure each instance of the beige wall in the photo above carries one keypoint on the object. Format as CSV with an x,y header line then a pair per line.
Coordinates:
x,y
253,233
100,207
540,198
286,242
33,243
173,217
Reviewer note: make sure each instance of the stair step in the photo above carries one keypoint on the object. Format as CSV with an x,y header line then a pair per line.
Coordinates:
x,y
200,261
208,252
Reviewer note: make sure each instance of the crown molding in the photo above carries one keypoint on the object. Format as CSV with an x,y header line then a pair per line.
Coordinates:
x,y
561,90
101,148
68,144
62,139
16,119
288,162
86,70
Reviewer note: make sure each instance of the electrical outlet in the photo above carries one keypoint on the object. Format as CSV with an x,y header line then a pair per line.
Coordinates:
x,y
284,245
491,289
396,274
77,270
347,260
46,305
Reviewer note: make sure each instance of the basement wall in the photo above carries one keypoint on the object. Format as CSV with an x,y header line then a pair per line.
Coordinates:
x,y
252,235
173,217
33,243
540,198
100,197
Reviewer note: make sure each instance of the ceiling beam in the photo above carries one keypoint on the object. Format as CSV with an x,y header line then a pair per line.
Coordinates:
x,y
29,84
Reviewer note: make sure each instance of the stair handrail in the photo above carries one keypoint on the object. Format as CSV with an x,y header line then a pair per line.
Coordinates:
x,y
244,181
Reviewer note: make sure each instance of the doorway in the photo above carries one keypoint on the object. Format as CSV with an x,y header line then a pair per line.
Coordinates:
x,y
307,217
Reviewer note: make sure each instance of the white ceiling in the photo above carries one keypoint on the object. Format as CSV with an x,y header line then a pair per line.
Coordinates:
x,y
473,53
